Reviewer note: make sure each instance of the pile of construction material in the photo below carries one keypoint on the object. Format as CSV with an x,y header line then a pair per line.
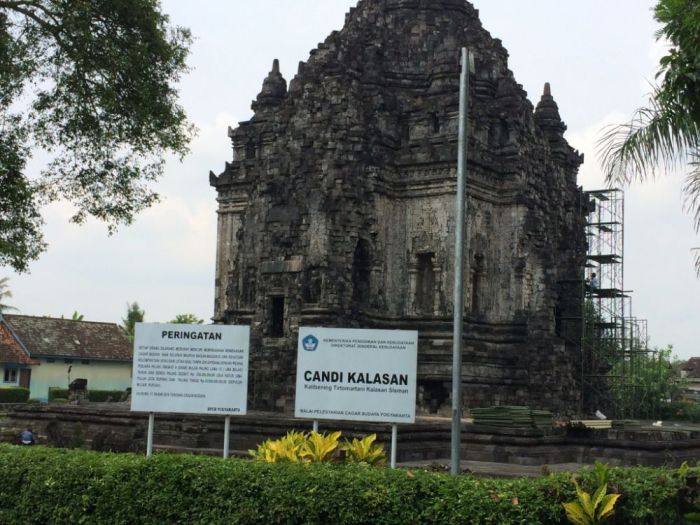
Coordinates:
x,y
631,425
596,424
512,417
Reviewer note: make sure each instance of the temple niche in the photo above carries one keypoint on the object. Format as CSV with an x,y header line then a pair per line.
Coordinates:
x,y
337,209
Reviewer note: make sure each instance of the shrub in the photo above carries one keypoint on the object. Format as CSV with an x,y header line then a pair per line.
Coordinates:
x,y
313,447
15,394
60,486
56,392
591,510
364,451
685,410
286,448
319,447
101,396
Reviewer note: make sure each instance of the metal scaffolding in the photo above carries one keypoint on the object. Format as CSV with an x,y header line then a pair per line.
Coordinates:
x,y
614,342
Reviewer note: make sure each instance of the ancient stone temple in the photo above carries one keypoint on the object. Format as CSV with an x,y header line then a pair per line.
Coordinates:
x,y
338,210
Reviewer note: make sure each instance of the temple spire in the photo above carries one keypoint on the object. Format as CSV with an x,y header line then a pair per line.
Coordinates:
x,y
274,89
547,114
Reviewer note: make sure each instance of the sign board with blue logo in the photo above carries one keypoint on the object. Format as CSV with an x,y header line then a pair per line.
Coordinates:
x,y
359,375
187,368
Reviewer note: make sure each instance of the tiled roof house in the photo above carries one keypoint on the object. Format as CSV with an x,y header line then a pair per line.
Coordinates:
x,y
43,352
691,372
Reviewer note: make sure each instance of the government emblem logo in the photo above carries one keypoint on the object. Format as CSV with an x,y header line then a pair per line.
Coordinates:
x,y
310,343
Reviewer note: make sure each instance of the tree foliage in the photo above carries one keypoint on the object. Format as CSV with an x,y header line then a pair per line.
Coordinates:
x,y
187,319
134,315
651,381
625,377
92,82
665,135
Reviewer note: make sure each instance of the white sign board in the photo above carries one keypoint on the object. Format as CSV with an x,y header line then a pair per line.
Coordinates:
x,y
188,368
360,375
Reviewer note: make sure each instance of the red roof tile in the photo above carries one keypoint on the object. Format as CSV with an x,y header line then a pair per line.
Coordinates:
x,y
11,351
693,367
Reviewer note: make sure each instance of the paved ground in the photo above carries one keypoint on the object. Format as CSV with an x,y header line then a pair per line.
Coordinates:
x,y
501,470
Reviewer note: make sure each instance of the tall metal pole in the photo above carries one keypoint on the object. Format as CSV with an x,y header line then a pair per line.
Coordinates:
x,y
149,436
227,435
459,266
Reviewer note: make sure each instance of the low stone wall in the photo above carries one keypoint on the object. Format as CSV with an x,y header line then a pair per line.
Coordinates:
x,y
113,427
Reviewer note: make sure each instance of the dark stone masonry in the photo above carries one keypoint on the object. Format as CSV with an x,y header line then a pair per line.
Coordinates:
x,y
337,210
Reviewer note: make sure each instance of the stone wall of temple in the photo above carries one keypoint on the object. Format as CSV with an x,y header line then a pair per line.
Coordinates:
x,y
338,210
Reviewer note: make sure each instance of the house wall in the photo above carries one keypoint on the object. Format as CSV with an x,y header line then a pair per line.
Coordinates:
x,y
101,375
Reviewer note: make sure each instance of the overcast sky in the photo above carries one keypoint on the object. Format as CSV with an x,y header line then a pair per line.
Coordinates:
x,y
599,56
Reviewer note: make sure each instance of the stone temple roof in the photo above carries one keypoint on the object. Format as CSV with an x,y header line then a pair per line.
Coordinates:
x,y
392,63
50,337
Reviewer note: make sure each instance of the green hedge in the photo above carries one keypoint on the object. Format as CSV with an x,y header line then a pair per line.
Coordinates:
x,y
56,392
97,396
681,411
60,486
100,396
14,395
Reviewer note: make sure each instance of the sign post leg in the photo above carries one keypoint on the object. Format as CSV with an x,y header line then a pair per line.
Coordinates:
x,y
149,439
227,435
394,439
315,428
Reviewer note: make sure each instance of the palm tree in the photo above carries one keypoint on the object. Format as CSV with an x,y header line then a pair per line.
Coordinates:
x,y
665,135
5,293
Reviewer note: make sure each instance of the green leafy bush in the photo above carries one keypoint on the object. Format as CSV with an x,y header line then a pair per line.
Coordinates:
x,y
686,410
364,451
15,394
591,510
320,447
100,396
286,448
57,393
60,486
310,447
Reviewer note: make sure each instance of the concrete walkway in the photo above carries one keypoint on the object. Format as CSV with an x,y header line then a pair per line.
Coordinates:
x,y
500,470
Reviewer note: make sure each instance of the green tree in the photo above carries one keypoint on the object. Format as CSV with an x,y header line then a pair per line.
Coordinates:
x,y
187,319
134,315
665,135
91,82
652,380
600,348
76,316
5,293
